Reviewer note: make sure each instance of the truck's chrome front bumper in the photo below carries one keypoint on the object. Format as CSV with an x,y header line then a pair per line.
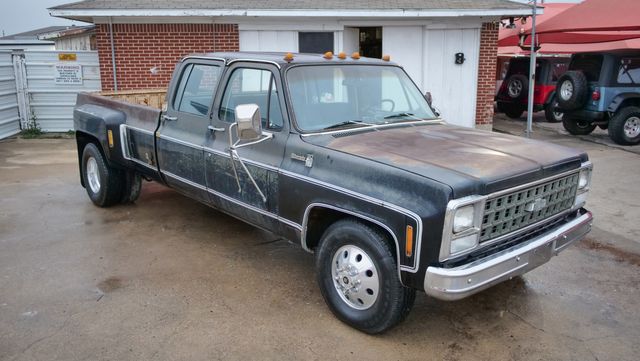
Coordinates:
x,y
462,281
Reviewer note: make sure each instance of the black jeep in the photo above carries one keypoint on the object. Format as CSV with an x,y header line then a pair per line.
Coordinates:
x,y
602,89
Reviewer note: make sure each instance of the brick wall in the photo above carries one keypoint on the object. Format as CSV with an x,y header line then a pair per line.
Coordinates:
x,y
141,47
487,75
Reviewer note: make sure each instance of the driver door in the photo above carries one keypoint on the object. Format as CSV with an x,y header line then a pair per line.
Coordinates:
x,y
247,83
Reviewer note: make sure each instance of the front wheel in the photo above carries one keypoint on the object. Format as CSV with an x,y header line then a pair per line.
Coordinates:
x,y
358,277
624,127
103,183
513,111
577,126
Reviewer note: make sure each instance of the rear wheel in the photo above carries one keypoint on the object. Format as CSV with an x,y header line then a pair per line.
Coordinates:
x,y
624,127
551,114
103,183
577,126
358,277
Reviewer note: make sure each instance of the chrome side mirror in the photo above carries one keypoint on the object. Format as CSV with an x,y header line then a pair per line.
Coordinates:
x,y
249,122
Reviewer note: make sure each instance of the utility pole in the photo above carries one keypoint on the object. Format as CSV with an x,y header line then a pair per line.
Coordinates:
x,y
532,70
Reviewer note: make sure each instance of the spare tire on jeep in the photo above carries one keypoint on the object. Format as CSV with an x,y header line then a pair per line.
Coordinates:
x,y
517,86
571,90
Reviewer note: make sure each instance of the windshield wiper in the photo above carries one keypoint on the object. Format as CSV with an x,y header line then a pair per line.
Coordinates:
x,y
345,123
401,115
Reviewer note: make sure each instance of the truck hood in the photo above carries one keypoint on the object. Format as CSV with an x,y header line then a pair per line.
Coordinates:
x,y
470,161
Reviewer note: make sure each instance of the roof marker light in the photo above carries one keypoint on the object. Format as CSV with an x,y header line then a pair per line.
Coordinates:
x,y
355,56
288,57
386,58
342,55
328,55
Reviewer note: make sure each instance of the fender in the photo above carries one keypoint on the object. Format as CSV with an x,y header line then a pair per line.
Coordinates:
x,y
549,97
311,206
621,98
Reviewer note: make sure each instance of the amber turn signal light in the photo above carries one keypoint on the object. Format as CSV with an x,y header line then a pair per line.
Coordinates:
x,y
408,246
355,56
328,55
342,55
288,57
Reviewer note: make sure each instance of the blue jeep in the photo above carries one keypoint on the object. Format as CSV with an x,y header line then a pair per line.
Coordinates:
x,y
602,89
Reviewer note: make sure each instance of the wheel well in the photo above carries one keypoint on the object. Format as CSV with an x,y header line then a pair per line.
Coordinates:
x,y
629,102
82,139
319,218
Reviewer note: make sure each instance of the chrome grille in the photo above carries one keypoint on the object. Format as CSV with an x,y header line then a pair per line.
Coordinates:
x,y
512,211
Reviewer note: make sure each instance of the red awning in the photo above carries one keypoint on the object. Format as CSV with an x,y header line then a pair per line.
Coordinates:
x,y
592,21
511,37
573,48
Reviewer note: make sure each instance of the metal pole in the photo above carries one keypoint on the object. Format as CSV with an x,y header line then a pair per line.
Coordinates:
x,y
532,71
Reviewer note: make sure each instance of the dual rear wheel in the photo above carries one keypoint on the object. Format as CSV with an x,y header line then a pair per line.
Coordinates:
x,y
107,185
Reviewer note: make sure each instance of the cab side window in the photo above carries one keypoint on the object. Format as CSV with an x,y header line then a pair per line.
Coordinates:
x,y
196,89
629,71
252,86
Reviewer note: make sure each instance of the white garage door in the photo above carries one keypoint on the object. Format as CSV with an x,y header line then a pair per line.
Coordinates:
x,y
428,56
263,40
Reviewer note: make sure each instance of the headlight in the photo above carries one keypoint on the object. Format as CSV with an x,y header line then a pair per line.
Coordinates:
x,y
463,221
463,218
585,179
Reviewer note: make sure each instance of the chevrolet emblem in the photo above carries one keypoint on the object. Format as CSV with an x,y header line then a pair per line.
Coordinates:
x,y
536,205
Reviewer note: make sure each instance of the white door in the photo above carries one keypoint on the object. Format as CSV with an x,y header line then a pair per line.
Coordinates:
x,y
9,115
453,86
428,56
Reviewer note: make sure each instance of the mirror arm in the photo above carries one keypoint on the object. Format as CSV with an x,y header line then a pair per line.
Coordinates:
x,y
233,153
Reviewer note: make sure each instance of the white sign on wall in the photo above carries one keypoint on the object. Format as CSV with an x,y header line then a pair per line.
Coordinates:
x,y
68,74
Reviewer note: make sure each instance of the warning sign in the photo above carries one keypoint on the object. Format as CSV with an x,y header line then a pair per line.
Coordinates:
x,y
68,74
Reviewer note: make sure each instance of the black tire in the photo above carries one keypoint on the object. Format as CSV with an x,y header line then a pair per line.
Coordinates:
x,y
513,111
517,86
577,126
624,126
551,114
393,301
108,190
131,187
571,90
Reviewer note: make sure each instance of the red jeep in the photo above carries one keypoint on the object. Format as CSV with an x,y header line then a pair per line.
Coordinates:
x,y
513,92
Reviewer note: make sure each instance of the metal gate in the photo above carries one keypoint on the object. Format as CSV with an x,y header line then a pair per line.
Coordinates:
x,y
9,115
39,88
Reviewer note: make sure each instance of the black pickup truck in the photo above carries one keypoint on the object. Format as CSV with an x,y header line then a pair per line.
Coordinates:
x,y
345,156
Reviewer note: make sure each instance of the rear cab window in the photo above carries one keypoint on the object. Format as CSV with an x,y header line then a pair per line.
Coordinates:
x,y
196,89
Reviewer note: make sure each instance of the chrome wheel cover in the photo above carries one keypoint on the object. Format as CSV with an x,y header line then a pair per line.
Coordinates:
x,y
515,88
566,90
558,116
355,277
632,127
93,177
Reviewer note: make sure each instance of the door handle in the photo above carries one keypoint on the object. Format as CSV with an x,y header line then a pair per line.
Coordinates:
x,y
214,129
169,118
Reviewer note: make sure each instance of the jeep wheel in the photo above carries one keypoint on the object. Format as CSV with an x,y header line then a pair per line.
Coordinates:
x,y
571,90
624,127
358,277
103,183
551,114
577,126
513,111
517,86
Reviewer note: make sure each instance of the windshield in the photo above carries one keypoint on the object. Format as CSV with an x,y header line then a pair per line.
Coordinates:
x,y
335,96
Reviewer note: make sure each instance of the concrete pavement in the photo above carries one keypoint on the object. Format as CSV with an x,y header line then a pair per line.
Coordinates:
x,y
171,279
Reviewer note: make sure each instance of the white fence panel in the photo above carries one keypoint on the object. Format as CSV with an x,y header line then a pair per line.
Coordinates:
x,y
51,103
9,116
